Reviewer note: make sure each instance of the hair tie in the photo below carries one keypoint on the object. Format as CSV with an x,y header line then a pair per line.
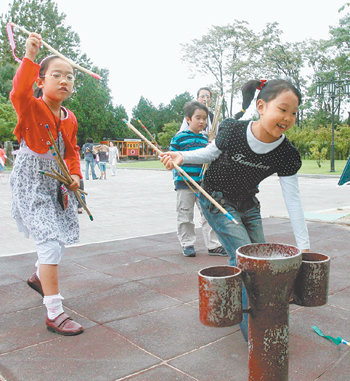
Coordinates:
x,y
262,84
243,110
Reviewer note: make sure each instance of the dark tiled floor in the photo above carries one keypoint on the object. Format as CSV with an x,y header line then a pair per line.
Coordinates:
x,y
138,301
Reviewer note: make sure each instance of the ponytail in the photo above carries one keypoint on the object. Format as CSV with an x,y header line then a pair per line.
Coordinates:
x,y
269,91
248,93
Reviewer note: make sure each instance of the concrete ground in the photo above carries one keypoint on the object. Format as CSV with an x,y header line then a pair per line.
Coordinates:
x,y
137,297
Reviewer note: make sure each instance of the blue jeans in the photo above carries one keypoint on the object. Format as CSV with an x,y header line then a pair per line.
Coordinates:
x,y
232,236
90,162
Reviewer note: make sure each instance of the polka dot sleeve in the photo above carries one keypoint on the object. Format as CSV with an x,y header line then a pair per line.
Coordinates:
x,y
290,163
224,133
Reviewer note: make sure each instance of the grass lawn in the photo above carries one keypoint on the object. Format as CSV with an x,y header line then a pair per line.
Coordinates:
x,y
141,164
308,167
311,167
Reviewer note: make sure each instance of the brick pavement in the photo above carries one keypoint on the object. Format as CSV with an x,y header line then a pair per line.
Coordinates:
x,y
138,301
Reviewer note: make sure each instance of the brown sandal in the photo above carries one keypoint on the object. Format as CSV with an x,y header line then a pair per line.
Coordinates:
x,y
64,325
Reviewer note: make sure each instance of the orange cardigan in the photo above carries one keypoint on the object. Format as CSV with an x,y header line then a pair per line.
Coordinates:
x,y
33,115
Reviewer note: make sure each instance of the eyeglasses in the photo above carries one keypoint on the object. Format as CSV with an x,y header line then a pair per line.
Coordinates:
x,y
57,76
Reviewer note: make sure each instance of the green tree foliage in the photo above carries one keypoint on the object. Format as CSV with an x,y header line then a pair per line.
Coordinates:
x,y
40,16
147,113
155,119
91,100
8,120
168,132
7,71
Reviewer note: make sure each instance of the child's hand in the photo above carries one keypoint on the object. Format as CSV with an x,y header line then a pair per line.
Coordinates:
x,y
33,44
75,184
169,158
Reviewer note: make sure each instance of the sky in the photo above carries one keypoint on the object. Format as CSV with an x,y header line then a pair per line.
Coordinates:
x,y
139,41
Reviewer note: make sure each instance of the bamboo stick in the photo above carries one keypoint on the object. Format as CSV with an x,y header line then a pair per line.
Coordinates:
x,y
212,134
57,156
153,140
146,129
55,52
62,178
180,170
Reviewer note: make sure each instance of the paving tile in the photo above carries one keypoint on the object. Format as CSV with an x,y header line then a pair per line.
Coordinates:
x,y
147,268
98,354
329,319
331,247
339,278
157,249
284,238
120,302
226,359
87,282
308,361
179,286
194,264
95,248
339,371
161,373
341,300
27,327
8,279
109,260
20,266
169,332
18,296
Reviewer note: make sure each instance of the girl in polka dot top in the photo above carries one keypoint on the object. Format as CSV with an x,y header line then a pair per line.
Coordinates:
x,y
243,154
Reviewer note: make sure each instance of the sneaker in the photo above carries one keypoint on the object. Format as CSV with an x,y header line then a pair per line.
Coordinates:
x,y
189,251
218,251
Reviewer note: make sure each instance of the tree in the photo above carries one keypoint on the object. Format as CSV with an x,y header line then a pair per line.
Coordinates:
x,y
221,53
7,71
168,132
8,120
39,16
146,112
91,100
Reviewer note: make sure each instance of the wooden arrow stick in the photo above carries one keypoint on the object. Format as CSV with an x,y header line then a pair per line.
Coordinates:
x,y
214,126
180,170
146,129
65,173
55,52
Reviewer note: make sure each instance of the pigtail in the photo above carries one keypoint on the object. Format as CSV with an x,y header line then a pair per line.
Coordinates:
x,y
248,93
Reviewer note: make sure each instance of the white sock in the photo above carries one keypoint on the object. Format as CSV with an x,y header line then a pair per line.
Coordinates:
x,y
53,305
37,265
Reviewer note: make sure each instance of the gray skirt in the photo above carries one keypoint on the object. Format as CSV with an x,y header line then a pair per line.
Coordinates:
x,y
35,205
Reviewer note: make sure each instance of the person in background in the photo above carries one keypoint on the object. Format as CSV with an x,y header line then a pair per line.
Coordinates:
x,y
196,115
3,158
102,154
204,96
89,159
113,157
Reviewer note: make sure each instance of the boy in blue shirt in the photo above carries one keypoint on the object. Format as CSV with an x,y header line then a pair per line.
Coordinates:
x,y
196,115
